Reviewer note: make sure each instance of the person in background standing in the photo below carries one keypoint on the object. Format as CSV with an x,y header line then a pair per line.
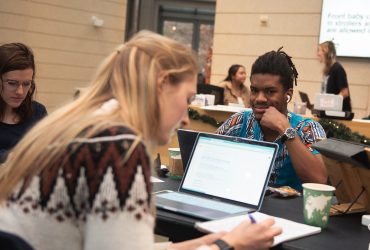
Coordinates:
x,y
18,111
335,77
233,84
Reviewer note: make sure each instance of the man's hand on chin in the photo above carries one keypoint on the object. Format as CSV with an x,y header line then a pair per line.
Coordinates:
x,y
275,120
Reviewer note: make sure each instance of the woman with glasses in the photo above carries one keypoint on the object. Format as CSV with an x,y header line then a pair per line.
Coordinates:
x,y
85,183
18,110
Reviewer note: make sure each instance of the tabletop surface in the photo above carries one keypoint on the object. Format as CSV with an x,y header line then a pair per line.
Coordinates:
x,y
343,232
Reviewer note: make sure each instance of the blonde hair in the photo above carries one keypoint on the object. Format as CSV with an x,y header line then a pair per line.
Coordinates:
x,y
130,75
330,54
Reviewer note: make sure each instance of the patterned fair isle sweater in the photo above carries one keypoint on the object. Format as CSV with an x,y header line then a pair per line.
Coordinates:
x,y
89,200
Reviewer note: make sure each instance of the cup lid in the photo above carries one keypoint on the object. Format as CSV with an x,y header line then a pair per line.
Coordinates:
x,y
318,187
174,149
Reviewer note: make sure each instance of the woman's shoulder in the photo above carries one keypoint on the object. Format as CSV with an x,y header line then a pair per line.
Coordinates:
x,y
117,136
39,109
337,66
224,84
117,130
117,144
38,105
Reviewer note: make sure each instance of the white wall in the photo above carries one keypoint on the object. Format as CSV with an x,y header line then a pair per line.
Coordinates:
x,y
67,47
240,38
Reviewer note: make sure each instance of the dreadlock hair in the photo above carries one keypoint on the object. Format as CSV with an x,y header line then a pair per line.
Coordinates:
x,y
277,63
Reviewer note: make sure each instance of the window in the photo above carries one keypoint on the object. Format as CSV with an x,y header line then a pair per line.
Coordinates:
x,y
193,27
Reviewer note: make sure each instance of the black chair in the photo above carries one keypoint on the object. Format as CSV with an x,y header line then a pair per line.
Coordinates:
x,y
210,89
10,241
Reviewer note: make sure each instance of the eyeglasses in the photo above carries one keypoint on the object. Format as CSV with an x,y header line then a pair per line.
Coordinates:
x,y
13,85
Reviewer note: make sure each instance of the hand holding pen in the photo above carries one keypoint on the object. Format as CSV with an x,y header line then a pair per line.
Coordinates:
x,y
251,218
252,235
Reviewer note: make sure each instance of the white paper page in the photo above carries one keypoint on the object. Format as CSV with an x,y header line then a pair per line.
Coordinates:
x,y
291,230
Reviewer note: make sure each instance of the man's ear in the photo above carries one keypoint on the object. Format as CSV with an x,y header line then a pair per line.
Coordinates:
x,y
289,93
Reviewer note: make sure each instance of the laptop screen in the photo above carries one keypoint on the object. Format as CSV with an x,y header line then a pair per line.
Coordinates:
x,y
230,168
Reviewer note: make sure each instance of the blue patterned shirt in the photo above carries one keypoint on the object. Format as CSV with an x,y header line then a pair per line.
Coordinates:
x,y
245,125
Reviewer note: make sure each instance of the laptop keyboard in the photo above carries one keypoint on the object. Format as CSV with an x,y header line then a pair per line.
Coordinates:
x,y
201,202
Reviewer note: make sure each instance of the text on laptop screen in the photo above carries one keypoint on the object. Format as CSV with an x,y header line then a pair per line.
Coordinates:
x,y
229,169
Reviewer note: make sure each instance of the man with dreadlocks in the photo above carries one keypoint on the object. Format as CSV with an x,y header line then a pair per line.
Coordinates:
x,y
271,78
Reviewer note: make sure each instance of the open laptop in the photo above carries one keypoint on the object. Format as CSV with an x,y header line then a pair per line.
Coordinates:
x,y
225,176
304,98
186,140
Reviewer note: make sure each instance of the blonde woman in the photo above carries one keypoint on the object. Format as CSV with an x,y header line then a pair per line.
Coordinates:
x,y
81,178
334,75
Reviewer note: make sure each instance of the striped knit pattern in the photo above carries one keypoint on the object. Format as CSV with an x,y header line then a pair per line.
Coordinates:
x,y
90,199
308,130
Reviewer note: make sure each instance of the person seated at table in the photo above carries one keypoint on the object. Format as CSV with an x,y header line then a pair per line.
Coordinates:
x,y
234,89
80,179
271,78
18,110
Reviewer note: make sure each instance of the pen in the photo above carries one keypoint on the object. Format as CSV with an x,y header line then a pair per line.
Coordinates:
x,y
251,219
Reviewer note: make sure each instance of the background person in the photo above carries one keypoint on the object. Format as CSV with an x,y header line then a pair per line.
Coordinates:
x,y
85,184
335,77
272,77
234,89
18,110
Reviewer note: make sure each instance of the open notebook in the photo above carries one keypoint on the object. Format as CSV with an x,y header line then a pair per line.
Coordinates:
x,y
291,230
